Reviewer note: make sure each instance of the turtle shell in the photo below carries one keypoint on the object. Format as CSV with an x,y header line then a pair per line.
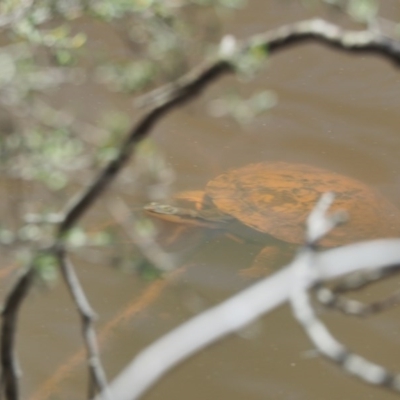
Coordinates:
x,y
277,198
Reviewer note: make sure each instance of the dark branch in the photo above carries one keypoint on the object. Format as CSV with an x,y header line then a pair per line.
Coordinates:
x,y
138,133
332,297
13,303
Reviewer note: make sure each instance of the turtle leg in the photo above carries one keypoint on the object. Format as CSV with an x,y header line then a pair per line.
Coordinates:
x,y
176,237
235,238
263,263
269,259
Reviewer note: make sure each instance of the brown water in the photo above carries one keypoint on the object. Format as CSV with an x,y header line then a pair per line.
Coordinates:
x,y
335,111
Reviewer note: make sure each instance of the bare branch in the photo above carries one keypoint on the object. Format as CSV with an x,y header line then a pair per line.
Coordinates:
x,y
318,224
315,329
138,133
332,297
12,305
357,308
96,369
238,311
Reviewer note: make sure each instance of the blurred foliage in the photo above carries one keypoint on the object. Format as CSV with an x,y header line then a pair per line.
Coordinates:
x,y
78,237
249,63
240,109
50,145
363,11
49,45
46,267
7,237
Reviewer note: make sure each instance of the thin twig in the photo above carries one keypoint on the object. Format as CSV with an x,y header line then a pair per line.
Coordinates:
x,y
332,297
357,308
97,374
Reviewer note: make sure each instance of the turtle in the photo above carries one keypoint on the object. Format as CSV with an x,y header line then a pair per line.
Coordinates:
x,y
275,199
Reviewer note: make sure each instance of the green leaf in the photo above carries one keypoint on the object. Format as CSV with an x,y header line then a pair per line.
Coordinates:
x,y
46,266
76,237
363,10
251,61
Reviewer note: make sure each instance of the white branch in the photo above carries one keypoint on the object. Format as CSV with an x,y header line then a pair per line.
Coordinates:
x,y
241,309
